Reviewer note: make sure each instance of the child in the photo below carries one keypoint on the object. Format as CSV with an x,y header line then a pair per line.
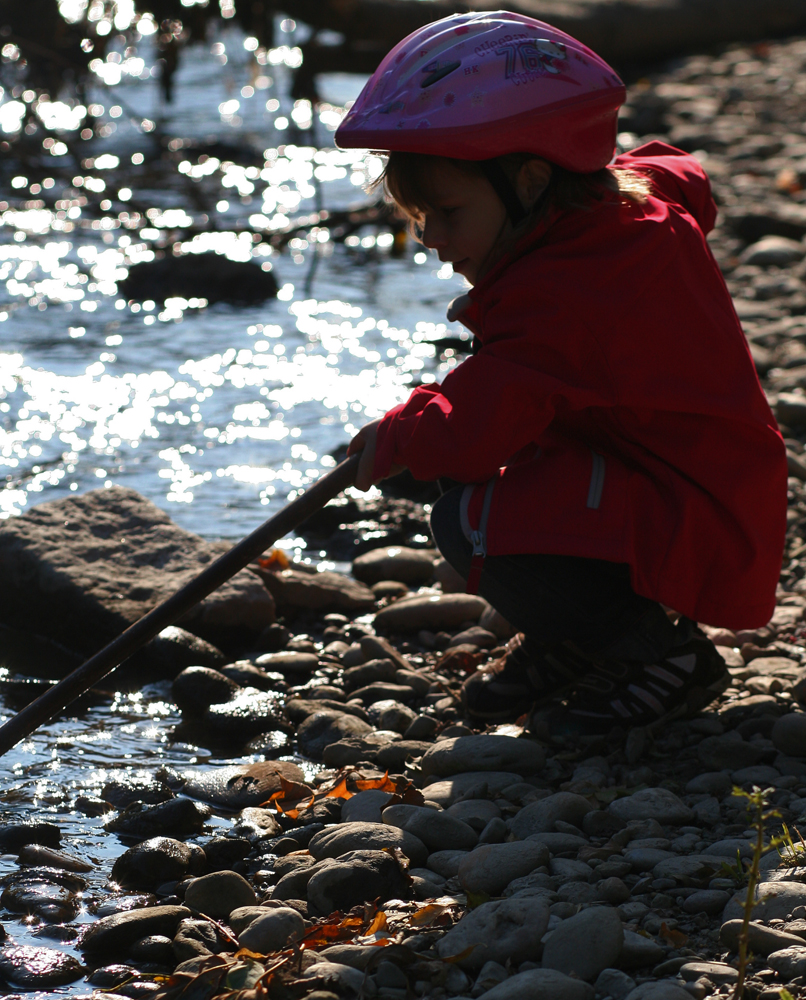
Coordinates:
x,y
619,454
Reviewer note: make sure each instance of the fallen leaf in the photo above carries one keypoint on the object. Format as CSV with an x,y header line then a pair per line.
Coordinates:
x,y
275,560
461,956
340,791
378,924
675,938
427,915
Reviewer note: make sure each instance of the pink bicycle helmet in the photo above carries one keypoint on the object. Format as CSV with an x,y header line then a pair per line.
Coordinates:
x,y
480,85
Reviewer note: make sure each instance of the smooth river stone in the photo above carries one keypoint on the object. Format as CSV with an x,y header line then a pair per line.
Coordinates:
x,y
482,784
498,931
219,893
35,854
774,900
585,944
250,713
337,840
245,784
483,753
540,984
161,859
540,816
322,729
14,836
38,968
652,803
435,612
437,830
355,878
112,936
395,562
177,817
296,665
491,867
789,734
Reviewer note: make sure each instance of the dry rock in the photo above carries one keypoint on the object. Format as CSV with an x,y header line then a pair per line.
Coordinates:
x,y
245,784
293,588
541,816
586,943
492,867
652,803
437,830
789,734
219,893
497,931
540,984
436,612
395,562
354,878
272,931
483,753
335,841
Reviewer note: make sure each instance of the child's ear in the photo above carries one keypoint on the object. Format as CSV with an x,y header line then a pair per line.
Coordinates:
x,y
531,182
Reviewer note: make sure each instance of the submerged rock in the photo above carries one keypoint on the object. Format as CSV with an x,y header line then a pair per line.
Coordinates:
x,y
40,897
123,792
35,854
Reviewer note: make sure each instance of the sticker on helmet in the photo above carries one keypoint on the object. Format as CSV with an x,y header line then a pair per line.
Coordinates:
x,y
536,58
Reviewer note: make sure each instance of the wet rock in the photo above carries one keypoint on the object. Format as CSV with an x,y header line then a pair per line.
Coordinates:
x,y
254,823
272,931
155,861
199,275
196,688
123,792
38,968
326,591
541,816
299,709
290,664
110,975
84,568
498,931
14,836
248,714
492,867
371,672
774,900
175,648
365,807
652,803
585,944
40,897
335,841
437,830
483,753
179,816
245,674
472,784
383,691
198,937
323,728
390,714
218,893
353,749
393,562
789,734
245,784
114,935
223,852
762,940
35,854
354,878
540,984
436,612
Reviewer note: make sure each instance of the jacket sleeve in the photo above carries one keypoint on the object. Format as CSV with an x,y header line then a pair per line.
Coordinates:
x,y
485,411
677,177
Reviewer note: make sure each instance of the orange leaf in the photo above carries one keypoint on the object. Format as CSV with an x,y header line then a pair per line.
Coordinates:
x,y
383,784
340,791
461,956
378,924
294,813
276,559
427,915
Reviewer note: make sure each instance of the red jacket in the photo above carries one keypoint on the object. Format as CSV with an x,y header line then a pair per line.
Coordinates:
x,y
613,368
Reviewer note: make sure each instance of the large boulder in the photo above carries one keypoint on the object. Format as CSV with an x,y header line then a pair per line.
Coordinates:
x,y
82,569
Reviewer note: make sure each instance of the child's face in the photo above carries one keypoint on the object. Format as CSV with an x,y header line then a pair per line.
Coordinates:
x,y
464,221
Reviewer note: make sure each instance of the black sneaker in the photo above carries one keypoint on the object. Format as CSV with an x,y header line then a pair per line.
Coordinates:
x,y
526,674
628,694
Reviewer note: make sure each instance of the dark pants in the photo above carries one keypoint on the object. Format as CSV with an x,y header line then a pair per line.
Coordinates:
x,y
553,599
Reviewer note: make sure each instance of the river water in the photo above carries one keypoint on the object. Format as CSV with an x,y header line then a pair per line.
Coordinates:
x,y
218,414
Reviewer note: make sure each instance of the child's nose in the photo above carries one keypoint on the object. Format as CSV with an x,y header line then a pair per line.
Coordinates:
x,y
434,234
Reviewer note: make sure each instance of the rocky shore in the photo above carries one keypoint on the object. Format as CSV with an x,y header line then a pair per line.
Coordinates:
x,y
413,855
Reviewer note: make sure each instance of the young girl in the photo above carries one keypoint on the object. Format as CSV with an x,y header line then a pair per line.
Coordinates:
x,y
619,454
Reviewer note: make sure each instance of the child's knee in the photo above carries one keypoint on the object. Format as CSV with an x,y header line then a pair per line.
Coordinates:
x,y
446,527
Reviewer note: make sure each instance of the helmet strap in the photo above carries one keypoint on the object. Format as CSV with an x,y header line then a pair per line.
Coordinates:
x,y
503,187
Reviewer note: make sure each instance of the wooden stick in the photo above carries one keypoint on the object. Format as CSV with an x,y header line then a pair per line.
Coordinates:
x,y
226,566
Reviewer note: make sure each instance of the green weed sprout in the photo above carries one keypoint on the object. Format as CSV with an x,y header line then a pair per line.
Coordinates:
x,y
758,813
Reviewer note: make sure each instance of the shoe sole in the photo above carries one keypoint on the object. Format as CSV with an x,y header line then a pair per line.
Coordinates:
x,y
697,699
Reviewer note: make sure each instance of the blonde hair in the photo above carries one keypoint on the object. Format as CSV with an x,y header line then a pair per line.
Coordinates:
x,y
406,181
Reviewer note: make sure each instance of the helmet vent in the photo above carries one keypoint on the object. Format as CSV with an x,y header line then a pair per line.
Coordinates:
x,y
437,71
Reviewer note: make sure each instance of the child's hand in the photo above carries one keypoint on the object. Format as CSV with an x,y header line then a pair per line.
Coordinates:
x,y
364,442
